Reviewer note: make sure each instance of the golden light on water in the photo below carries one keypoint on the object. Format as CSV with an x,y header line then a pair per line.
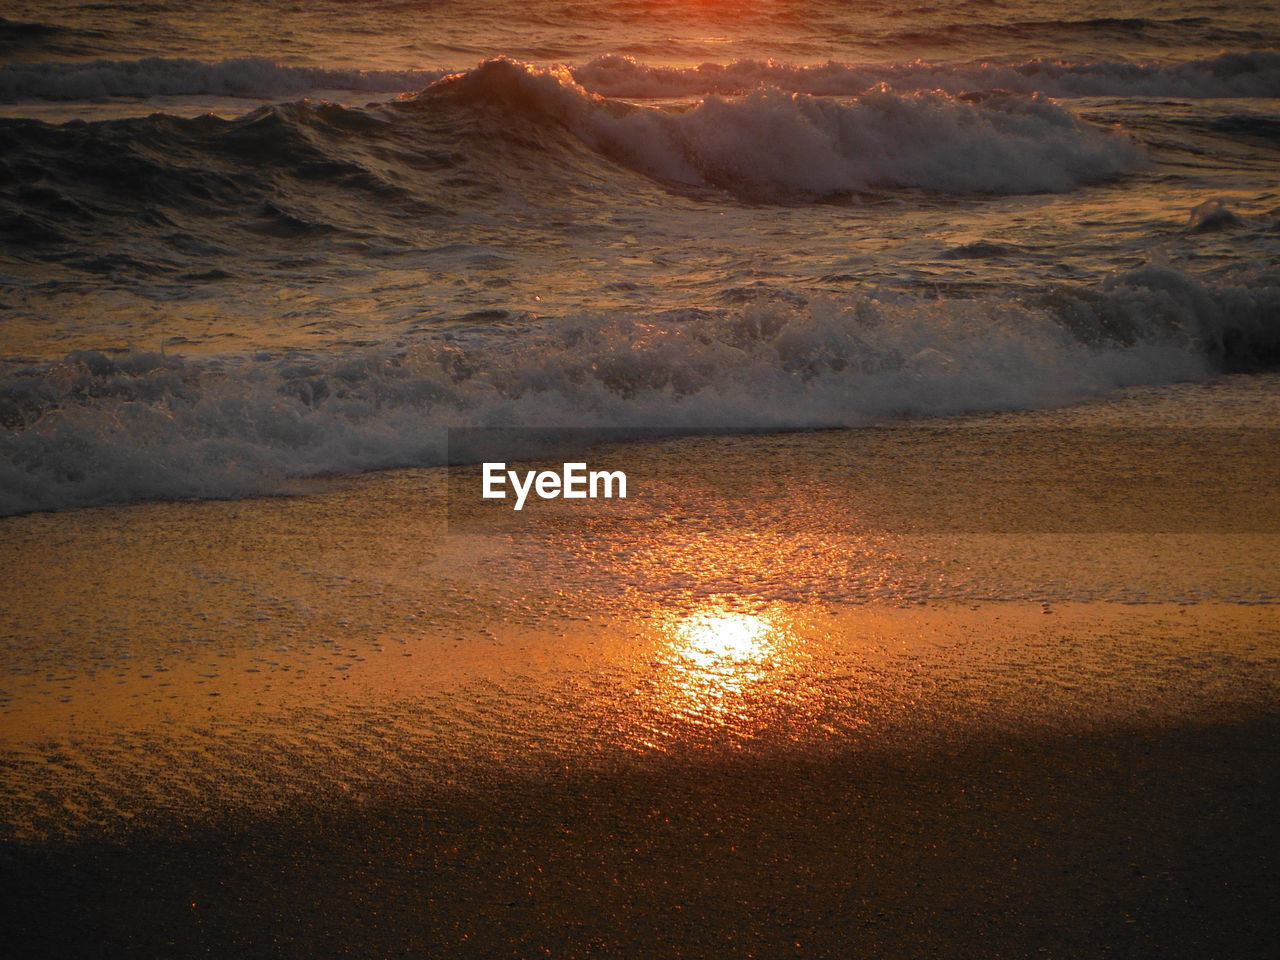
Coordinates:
x,y
720,639
722,670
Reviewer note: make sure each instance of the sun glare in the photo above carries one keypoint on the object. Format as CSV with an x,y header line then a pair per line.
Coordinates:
x,y
722,638
720,669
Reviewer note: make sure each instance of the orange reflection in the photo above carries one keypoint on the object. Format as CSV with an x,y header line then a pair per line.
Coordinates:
x,y
725,670
723,641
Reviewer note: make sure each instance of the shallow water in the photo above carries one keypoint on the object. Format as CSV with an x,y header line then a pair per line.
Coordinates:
x,y
921,586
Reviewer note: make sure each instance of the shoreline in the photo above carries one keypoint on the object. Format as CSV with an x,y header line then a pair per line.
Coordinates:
x,y
738,722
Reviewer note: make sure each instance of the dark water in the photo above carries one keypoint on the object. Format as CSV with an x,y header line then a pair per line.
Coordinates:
x,y
245,242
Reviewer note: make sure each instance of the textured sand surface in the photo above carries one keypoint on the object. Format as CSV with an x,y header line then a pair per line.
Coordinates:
x,y
733,719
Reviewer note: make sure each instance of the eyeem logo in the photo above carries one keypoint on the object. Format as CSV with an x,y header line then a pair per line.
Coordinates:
x,y
572,483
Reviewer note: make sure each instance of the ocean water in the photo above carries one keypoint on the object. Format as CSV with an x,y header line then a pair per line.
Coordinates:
x,y
243,243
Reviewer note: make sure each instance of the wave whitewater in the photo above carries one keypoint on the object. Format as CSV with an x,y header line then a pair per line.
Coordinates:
x,y
772,145
94,429
505,121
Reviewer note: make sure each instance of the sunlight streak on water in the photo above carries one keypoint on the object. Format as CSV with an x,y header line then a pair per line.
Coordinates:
x,y
723,670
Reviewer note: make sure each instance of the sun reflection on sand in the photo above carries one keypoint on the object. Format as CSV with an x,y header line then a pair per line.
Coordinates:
x,y
711,639
724,669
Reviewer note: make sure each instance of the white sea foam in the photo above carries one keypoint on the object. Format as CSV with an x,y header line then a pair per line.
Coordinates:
x,y
94,429
772,145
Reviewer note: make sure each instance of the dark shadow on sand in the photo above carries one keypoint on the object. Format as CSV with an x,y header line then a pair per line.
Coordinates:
x,y
1126,844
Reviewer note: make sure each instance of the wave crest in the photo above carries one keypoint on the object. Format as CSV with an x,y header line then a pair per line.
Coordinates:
x,y
773,145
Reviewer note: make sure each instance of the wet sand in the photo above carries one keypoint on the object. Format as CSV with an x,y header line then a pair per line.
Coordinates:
x,y
368,721
1134,843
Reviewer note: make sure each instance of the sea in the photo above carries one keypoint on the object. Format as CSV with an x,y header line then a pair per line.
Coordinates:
x,y
244,243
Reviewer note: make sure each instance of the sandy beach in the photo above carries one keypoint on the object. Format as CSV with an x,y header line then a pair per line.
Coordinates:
x,y
370,720
936,349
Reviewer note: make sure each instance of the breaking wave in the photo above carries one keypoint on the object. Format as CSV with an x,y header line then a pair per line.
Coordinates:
x,y
96,429
307,169
772,144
